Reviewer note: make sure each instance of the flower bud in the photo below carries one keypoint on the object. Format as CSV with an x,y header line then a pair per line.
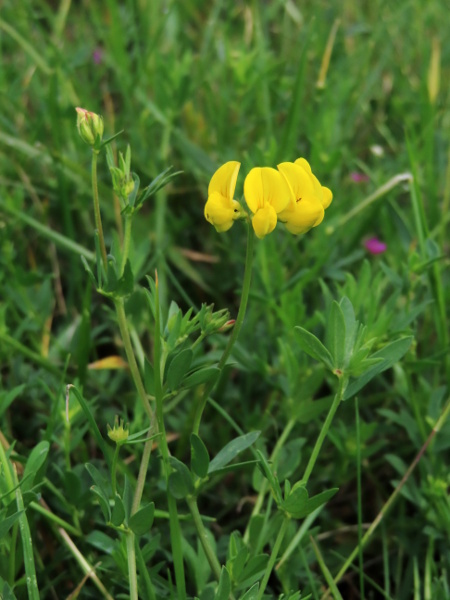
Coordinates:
x,y
119,433
90,126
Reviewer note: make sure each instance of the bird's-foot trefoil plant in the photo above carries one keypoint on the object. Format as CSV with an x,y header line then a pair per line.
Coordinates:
x,y
168,486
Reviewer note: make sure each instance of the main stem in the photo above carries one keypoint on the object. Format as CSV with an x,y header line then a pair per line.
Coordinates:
x,y
236,328
124,331
131,557
97,215
175,530
326,426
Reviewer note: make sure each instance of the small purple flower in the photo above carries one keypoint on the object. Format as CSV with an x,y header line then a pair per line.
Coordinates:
x,y
358,177
375,246
97,56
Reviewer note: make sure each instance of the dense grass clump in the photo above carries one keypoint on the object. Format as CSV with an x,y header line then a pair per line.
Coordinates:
x,y
122,378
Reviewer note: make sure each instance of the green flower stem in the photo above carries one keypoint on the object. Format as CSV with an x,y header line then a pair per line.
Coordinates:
x,y
126,244
131,557
236,329
326,426
202,534
438,425
122,319
175,530
27,548
265,484
273,557
114,469
97,215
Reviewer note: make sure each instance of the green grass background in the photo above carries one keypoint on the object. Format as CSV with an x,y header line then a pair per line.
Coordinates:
x,y
194,84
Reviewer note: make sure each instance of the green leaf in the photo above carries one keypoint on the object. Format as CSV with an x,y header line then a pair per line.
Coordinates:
x,y
127,498
104,503
7,523
101,541
253,570
118,512
298,505
178,367
6,592
336,335
232,449
34,463
201,376
7,398
314,347
90,417
125,284
390,354
180,481
224,588
271,477
142,520
199,456
89,272
99,480
149,378
351,327
235,565
252,593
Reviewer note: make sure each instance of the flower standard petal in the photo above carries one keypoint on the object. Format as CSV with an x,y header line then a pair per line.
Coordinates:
x,y
224,179
264,185
276,192
323,193
298,178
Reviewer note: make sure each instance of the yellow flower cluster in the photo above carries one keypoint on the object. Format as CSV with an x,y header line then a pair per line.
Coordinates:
x,y
292,195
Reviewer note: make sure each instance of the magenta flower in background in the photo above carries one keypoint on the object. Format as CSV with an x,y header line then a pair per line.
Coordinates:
x,y
97,56
358,177
375,246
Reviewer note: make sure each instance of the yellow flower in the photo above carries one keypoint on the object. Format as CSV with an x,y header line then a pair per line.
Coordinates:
x,y
267,194
220,209
309,199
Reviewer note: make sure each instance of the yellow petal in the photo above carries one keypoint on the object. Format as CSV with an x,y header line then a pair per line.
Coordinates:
x,y
224,180
323,193
302,162
264,221
220,211
263,186
327,196
308,213
298,179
